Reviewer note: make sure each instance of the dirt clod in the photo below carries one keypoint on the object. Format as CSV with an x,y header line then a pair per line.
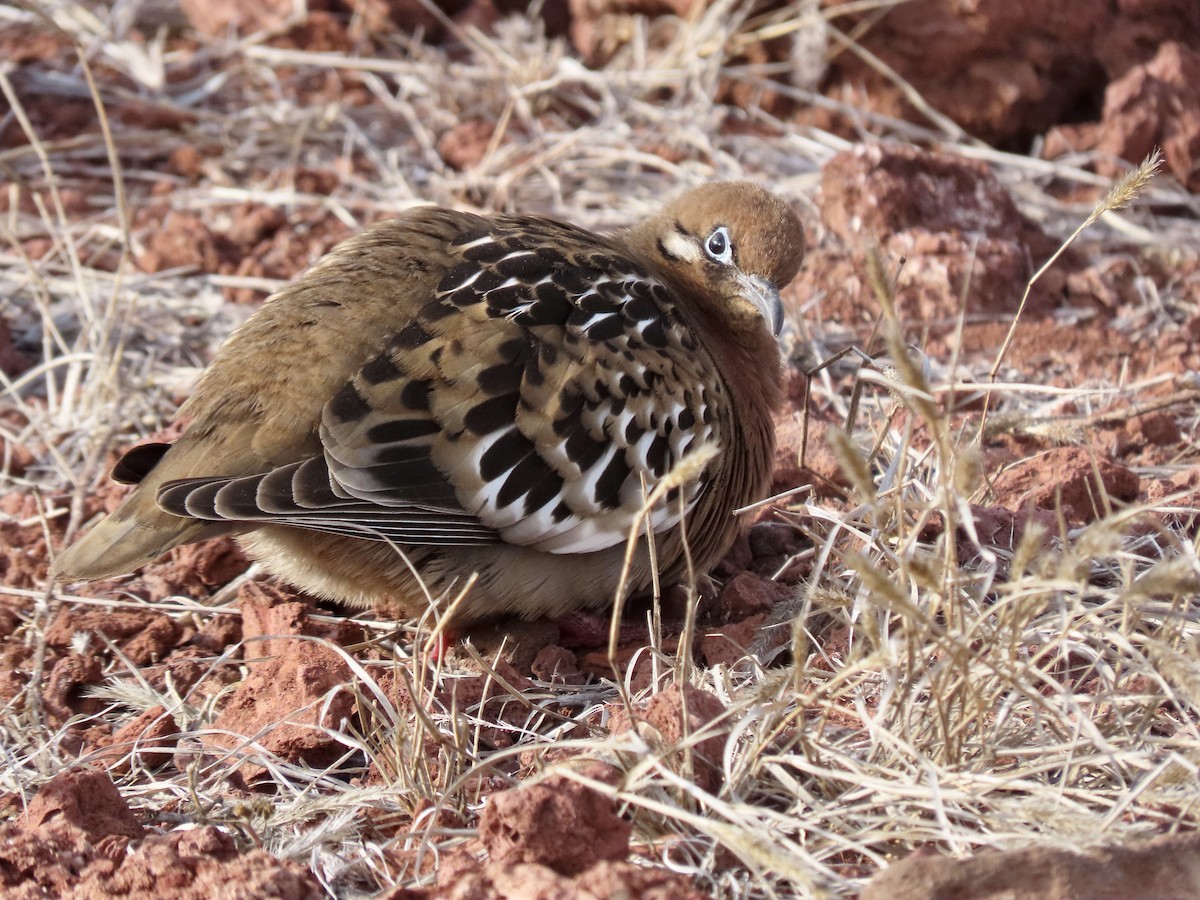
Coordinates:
x,y
1159,868
687,721
557,823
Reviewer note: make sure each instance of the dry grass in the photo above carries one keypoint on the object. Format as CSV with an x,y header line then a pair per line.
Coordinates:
x,y
975,699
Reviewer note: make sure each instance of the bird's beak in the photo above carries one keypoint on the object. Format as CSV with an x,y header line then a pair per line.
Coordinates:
x,y
765,297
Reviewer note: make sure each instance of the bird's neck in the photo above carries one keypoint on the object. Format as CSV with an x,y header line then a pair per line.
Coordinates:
x,y
748,359
752,371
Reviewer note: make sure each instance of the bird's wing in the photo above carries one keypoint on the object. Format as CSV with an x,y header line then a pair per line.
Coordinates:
x,y
536,397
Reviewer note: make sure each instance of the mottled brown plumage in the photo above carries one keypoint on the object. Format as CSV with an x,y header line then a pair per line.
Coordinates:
x,y
450,394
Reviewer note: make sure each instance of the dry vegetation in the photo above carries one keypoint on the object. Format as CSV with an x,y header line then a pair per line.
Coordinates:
x,y
937,690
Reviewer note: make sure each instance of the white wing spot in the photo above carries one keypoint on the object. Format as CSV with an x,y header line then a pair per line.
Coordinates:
x,y
478,242
595,320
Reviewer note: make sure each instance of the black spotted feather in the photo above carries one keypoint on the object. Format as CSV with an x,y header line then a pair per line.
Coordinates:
x,y
529,401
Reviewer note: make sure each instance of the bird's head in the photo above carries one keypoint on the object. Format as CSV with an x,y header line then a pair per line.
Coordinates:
x,y
731,244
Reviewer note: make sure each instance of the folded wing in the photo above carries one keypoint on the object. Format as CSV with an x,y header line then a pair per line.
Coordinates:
x,y
537,398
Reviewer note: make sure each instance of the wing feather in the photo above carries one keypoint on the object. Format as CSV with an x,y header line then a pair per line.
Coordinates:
x,y
535,398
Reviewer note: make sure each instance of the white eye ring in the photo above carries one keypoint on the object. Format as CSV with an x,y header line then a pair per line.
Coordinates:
x,y
719,246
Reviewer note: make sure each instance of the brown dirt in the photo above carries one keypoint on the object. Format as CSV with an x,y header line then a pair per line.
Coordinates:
x,y
1154,104
687,718
1161,868
79,838
1006,70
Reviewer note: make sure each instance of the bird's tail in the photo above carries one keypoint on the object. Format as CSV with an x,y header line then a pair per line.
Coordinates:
x,y
136,534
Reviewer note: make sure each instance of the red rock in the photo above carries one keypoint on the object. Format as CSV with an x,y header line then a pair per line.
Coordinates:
x,y
727,644
465,145
23,555
25,42
83,799
748,594
19,504
737,559
217,633
1160,429
187,161
579,630
557,665
879,189
634,663
1156,104
15,664
285,706
1161,868
255,223
517,641
213,562
142,635
556,823
999,528
666,713
1066,476
948,217
182,240
197,864
484,695
19,456
11,611
772,538
599,28
461,876
150,737
411,16
63,695
265,594
269,622
218,18
821,469
1005,71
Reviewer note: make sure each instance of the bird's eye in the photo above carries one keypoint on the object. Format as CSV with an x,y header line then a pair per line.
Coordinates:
x,y
719,246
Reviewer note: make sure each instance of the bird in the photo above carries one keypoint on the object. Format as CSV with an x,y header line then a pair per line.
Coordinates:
x,y
449,400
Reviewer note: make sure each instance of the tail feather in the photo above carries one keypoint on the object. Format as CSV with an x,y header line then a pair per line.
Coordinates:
x,y
126,540
139,531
